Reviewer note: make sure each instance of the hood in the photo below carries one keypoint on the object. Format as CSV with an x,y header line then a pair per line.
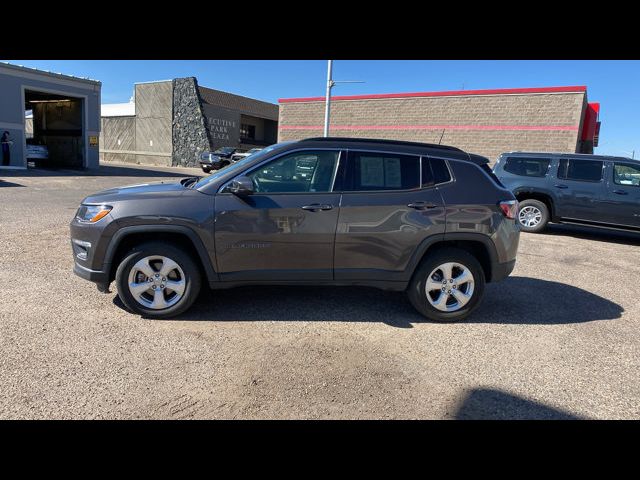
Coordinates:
x,y
140,191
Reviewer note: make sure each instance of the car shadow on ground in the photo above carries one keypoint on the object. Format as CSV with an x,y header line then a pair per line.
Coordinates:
x,y
4,183
514,301
104,171
593,233
490,404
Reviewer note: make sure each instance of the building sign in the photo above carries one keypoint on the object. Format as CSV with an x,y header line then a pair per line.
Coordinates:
x,y
223,126
220,128
93,140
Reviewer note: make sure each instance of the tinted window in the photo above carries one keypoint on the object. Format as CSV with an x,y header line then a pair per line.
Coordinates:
x,y
625,174
382,171
440,171
527,167
309,171
434,171
580,170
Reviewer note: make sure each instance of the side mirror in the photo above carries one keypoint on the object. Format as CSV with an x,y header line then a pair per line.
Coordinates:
x,y
241,186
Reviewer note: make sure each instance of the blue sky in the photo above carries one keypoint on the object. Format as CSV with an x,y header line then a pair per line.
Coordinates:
x,y
615,84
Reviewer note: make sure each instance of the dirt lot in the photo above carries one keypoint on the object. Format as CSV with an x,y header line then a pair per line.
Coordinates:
x,y
558,339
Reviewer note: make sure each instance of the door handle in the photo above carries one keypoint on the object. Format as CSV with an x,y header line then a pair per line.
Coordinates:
x,y
421,205
620,192
561,186
317,206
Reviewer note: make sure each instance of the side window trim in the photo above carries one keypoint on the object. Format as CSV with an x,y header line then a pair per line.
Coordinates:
x,y
341,154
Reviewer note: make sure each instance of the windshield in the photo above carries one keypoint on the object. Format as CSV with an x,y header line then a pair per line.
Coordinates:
x,y
225,150
239,165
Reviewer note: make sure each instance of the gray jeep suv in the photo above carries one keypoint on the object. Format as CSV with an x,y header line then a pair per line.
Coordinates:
x,y
427,219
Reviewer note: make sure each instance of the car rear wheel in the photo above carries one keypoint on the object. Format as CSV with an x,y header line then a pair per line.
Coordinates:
x,y
206,169
447,286
533,216
157,280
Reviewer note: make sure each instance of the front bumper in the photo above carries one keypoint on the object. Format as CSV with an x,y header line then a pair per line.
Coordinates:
x,y
99,277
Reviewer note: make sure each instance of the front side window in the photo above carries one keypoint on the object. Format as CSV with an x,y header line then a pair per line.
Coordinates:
x,y
382,171
527,167
299,172
626,174
580,170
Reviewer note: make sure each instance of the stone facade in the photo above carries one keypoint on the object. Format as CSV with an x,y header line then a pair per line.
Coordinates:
x,y
190,132
478,122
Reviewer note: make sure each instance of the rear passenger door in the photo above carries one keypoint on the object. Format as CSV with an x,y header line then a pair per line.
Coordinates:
x,y
580,190
389,204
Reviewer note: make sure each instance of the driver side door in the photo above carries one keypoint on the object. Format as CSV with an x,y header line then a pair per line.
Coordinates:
x,y
286,229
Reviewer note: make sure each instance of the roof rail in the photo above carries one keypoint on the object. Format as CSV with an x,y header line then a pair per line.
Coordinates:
x,y
377,140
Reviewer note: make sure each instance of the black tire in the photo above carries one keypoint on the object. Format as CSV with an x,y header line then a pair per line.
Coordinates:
x,y
544,214
206,169
418,295
186,263
223,164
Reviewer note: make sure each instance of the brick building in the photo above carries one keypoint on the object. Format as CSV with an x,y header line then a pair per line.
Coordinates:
x,y
487,122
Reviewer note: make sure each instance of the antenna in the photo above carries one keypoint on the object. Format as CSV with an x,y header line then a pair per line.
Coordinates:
x,y
441,136
330,84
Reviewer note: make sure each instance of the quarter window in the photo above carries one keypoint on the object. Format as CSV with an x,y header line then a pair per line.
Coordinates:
x,y
382,171
309,171
580,170
527,167
625,174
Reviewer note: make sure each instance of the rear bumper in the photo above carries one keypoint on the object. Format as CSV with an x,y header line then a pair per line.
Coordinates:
x,y
500,271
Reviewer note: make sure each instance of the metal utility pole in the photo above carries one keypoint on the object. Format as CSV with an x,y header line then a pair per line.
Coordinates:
x,y
327,107
330,85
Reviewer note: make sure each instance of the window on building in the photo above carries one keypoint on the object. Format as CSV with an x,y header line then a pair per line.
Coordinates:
x,y
580,170
247,131
527,167
381,171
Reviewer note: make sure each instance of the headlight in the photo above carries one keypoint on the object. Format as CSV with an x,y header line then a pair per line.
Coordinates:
x,y
92,213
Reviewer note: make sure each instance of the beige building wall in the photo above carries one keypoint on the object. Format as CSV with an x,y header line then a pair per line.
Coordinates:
x,y
484,124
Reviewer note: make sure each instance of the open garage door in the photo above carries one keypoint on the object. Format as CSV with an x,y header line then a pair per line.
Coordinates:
x,y
58,134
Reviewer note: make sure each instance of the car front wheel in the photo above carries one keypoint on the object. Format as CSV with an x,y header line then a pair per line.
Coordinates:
x,y
447,286
157,280
206,169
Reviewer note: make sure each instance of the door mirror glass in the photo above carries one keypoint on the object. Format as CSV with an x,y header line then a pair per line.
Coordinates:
x,y
241,186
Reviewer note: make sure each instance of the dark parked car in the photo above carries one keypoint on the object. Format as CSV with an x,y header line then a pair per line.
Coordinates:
x,y
216,160
572,188
426,219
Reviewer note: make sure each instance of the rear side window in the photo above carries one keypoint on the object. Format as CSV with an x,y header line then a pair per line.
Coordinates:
x,y
434,171
527,167
382,171
580,170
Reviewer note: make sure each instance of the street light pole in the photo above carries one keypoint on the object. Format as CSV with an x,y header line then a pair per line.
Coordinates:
x,y
327,108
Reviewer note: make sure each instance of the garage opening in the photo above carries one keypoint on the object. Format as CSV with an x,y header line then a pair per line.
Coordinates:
x,y
57,136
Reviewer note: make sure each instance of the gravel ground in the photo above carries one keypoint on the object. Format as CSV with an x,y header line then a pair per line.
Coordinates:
x,y
558,339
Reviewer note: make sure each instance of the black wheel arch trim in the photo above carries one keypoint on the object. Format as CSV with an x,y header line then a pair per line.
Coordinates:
x,y
537,191
448,237
121,234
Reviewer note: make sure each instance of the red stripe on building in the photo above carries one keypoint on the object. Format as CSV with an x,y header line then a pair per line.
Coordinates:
x,y
563,128
501,91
